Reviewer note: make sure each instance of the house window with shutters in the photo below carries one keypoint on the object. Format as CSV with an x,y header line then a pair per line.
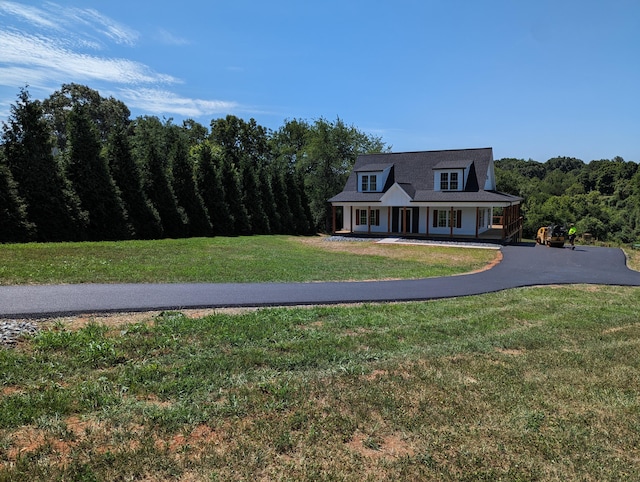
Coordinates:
x,y
457,218
362,216
374,217
445,218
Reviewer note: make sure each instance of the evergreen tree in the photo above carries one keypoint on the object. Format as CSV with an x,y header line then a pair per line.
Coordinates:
x,y
184,184
252,199
151,152
52,205
89,173
282,202
212,191
15,226
302,221
142,215
268,202
232,188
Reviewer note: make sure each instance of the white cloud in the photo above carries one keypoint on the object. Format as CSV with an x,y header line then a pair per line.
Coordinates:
x,y
58,18
111,29
168,38
48,46
45,56
158,101
32,15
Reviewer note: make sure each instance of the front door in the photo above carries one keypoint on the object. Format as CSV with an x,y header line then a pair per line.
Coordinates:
x,y
406,226
404,220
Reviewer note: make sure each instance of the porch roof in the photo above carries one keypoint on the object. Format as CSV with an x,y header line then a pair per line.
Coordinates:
x,y
445,197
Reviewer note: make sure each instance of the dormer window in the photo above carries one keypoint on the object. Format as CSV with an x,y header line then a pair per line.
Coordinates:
x,y
373,177
449,181
369,183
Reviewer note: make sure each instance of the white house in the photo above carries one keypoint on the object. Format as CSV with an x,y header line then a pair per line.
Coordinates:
x,y
436,194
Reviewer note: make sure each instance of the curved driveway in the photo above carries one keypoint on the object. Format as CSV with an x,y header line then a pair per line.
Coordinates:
x,y
522,265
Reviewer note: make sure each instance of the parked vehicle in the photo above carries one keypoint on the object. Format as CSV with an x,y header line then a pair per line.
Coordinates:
x,y
554,235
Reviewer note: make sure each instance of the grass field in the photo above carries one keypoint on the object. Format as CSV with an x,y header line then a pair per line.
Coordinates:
x,y
227,260
526,384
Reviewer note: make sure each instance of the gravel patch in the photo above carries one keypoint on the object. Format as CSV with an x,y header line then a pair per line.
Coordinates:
x,y
428,242
11,331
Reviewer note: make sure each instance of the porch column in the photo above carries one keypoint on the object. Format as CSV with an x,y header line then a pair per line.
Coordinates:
x,y
351,219
404,220
477,216
451,223
428,221
333,215
389,209
368,219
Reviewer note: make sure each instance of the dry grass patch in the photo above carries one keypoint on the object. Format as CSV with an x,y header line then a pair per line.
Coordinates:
x,y
426,254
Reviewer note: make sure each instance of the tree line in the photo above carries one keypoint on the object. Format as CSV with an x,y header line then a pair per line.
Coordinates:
x,y
76,167
602,197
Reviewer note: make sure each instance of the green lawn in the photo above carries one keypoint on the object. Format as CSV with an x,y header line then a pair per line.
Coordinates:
x,y
526,384
535,384
226,260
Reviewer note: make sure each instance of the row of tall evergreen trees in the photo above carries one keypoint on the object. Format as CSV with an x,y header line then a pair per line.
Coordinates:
x,y
76,167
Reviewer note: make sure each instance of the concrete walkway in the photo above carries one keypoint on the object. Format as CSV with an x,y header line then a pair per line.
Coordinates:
x,y
522,265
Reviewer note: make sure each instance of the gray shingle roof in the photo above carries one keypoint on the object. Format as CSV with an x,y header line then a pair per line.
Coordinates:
x,y
414,171
372,167
454,164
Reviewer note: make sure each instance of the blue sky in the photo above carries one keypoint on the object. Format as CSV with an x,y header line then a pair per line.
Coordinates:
x,y
530,78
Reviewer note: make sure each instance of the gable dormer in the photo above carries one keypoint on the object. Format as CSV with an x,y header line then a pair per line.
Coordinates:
x,y
451,175
373,177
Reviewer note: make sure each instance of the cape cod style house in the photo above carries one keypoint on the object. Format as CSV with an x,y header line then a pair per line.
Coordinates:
x,y
432,194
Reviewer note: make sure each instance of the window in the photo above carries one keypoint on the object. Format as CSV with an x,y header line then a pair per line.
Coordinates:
x,y
444,218
374,217
444,181
363,217
456,221
449,181
453,181
369,183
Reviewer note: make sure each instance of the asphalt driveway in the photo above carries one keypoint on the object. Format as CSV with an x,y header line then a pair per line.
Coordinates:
x,y
522,265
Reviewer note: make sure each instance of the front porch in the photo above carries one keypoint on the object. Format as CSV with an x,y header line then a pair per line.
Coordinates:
x,y
503,229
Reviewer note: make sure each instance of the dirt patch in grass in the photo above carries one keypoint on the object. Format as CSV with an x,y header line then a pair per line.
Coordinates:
x,y
512,352
376,448
9,390
103,438
114,320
